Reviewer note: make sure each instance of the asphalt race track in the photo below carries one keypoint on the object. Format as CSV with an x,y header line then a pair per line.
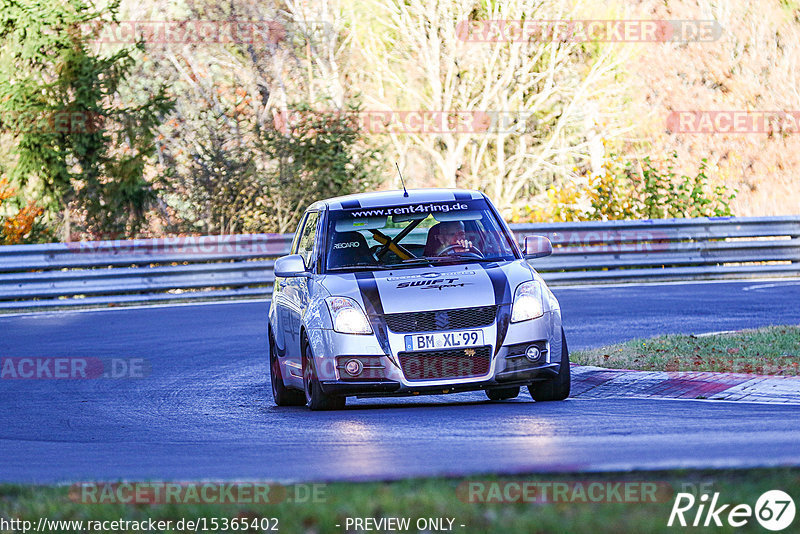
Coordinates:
x,y
205,410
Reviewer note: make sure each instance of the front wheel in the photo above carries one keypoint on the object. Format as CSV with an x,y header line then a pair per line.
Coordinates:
x,y
315,397
555,389
282,395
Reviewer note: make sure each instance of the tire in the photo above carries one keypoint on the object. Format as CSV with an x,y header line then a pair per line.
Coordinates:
x,y
498,394
556,389
314,396
282,395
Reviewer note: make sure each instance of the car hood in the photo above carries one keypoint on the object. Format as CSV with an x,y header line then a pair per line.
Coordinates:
x,y
431,288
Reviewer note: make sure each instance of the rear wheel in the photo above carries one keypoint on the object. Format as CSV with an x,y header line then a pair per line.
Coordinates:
x,y
314,396
282,395
497,394
556,389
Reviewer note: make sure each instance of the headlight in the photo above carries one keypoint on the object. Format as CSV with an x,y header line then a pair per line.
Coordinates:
x,y
527,302
347,316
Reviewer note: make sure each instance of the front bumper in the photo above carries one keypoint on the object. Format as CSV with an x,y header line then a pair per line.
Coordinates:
x,y
390,388
507,367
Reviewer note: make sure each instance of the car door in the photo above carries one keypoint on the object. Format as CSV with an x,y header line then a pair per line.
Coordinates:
x,y
282,326
296,291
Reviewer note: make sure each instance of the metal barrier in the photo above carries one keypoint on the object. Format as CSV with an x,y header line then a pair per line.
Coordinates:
x,y
154,270
669,249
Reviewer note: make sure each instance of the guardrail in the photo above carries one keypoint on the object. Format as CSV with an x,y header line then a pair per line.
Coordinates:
x,y
669,249
154,270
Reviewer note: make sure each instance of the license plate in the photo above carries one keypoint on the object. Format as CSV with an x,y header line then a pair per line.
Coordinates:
x,y
444,340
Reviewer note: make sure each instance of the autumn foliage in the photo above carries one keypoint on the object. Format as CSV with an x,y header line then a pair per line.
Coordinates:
x,y
15,228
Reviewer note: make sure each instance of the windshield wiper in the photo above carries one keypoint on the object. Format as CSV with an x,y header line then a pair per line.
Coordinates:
x,y
360,267
451,258
416,261
472,257
429,260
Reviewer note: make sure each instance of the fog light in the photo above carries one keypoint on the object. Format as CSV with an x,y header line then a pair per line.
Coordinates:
x,y
353,367
532,353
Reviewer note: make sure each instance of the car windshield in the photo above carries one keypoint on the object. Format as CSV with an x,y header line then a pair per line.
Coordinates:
x,y
427,233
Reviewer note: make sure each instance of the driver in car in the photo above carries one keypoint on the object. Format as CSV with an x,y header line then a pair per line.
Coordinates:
x,y
451,237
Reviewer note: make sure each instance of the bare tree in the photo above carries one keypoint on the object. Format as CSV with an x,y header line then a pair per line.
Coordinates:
x,y
541,94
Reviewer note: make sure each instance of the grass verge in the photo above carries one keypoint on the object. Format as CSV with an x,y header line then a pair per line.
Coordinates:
x,y
774,350
438,498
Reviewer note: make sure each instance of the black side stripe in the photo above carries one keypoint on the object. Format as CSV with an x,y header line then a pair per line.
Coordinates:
x,y
368,288
502,298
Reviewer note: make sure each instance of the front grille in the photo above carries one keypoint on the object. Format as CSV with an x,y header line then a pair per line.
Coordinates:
x,y
450,363
432,321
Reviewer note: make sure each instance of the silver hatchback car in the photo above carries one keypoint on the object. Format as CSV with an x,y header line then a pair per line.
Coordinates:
x,y
409,293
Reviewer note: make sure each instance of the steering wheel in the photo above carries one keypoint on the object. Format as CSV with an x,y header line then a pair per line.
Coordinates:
x,y
470,250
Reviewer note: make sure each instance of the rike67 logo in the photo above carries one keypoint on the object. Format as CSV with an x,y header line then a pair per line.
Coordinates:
x,y
774,510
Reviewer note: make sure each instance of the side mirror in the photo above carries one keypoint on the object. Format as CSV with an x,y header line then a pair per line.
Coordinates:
x,y
290,266
536,246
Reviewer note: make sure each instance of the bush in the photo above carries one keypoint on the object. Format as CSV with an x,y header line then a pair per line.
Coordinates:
x,y
317,155
237,175
625,190
80,142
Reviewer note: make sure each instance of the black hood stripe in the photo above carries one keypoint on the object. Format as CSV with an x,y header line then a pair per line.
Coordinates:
x,y
502,297
368,287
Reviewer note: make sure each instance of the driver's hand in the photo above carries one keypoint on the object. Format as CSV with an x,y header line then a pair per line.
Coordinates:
x,y
466,244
